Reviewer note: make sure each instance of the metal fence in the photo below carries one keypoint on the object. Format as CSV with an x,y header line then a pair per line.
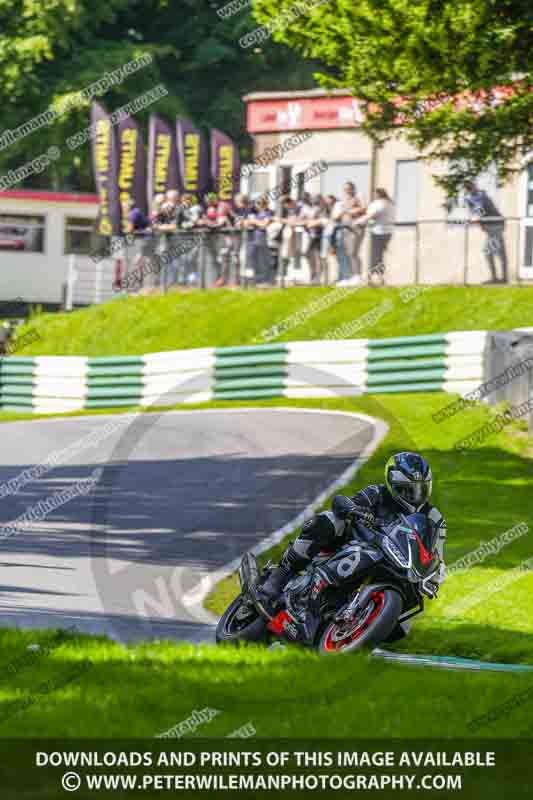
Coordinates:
x,y
431,251
89,283
511,371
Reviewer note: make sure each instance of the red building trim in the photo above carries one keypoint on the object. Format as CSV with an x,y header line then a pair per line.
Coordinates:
x,y
277,112
303,113
50,197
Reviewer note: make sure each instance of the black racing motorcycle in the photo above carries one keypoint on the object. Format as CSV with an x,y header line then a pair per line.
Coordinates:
x,y
369,589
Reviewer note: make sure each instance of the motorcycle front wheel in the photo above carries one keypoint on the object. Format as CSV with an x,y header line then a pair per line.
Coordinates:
x,y
368,628
239,623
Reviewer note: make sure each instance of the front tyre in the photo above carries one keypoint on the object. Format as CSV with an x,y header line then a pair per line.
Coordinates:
x,y
240,623
368,628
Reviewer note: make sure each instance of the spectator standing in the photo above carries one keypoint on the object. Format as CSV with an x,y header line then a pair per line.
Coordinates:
x,y
305,204
211,209
225,219
349,236
313,219
327,243
274,234
169,221
209,220
156,210
156,217
258,223
242,208
137,221
241,211
139,225
289,219
191,213
485,213
380,214
170,213
196,209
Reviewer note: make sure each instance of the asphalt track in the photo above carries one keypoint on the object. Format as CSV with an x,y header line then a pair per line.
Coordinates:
x,y
181,495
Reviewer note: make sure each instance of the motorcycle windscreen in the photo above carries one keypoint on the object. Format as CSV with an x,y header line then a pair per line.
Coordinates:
x,y
416,538
423,538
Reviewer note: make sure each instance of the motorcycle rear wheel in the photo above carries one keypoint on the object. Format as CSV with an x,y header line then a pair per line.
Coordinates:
x,y
373,626
232,630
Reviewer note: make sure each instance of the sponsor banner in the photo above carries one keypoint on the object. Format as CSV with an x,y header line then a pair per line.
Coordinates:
x,y
304,114
344,111
162,158
131,170
225,166
192,159
105,161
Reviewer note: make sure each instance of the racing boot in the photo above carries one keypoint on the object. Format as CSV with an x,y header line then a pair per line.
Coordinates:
x,y
288,568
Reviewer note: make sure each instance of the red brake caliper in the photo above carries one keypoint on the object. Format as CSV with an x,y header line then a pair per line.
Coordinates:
x,y
379,599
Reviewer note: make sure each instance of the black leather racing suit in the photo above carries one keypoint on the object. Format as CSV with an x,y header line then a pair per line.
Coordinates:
x,y
329,531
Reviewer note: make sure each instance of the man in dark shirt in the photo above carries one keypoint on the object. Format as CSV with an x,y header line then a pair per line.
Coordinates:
x,y
137,221
140,226
486,214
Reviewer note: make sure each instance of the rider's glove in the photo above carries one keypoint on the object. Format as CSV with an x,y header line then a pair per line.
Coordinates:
x,y
366,517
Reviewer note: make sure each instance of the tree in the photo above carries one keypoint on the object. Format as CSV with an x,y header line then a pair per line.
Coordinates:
x,y
52,50
435,66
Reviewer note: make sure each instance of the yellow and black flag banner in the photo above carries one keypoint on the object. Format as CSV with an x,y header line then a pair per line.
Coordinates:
x,y
162,158
225,166
105,161
131,168
192,159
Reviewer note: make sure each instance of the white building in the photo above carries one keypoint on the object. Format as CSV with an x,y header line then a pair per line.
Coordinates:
x,y
430,245
39,231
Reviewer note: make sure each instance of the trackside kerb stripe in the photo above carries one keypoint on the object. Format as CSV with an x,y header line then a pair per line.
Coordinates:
x,y
431,338
250,372
227,352
453,362
406,363
407,351
115,381
449,662
405,376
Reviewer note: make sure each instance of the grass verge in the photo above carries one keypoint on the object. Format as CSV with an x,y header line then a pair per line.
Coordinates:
x,y
180,320
93,687
482,493
89,687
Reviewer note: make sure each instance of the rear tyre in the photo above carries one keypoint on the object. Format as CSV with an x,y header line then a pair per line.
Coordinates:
x,y
235,626
371,626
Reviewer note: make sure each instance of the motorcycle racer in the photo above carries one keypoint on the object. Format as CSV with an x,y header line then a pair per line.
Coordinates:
x,y
407,490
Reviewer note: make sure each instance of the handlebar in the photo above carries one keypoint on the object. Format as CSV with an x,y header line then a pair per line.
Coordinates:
x,y
359,510
368,533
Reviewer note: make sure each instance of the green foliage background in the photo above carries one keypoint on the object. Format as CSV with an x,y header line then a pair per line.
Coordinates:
x,y
50,49
388,49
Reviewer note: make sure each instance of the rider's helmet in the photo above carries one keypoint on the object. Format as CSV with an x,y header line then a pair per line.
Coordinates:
x,y
409,480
